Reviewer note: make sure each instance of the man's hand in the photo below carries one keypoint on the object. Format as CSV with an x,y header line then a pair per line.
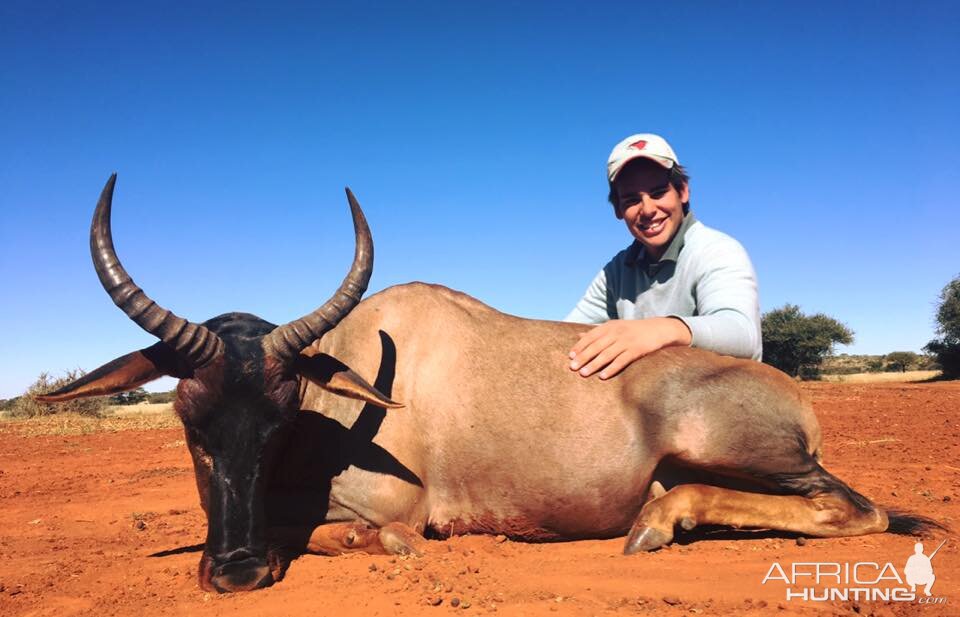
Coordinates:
x,y
613,345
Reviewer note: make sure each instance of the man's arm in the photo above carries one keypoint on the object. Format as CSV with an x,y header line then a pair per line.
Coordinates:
x,y
615,343
592,307
727,319
728,306
612,346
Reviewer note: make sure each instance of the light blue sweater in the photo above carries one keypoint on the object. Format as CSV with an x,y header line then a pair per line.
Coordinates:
x,y
704,278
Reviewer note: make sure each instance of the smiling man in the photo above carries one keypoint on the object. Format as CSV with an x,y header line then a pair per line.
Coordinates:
x,y
679,283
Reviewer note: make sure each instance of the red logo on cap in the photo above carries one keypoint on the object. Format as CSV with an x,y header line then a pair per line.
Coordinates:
x,y
639,145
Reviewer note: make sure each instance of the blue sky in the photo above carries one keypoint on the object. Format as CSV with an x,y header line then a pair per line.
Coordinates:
x,y
823,136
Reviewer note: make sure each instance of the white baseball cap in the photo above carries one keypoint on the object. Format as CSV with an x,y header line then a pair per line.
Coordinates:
x,y
645,145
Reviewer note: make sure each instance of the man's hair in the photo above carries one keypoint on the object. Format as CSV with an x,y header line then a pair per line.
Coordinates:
x,y
677,176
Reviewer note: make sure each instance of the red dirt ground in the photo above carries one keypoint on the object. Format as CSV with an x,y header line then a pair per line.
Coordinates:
x,y
110,523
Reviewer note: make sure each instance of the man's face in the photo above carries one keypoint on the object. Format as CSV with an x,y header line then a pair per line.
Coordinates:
x,y
649,205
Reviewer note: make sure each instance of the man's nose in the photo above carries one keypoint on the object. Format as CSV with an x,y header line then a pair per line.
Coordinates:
x,y
647,205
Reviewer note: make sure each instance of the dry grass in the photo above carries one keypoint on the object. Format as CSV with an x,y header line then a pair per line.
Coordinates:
x,y
882,377
118,418
140,409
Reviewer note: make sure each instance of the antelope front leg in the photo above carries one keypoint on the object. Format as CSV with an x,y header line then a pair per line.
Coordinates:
x,y
351,537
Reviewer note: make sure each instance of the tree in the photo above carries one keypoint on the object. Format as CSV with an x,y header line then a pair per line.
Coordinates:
x,y
796,343
131,397
901,360
946,347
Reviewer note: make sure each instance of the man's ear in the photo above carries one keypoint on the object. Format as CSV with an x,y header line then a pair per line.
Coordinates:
x,y
336,377
125,373
685,194
614,198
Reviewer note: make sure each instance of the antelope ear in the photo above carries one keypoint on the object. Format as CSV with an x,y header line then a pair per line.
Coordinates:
x,y
125,373
336,377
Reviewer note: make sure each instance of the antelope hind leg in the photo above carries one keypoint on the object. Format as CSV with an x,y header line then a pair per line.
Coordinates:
x,y
826,514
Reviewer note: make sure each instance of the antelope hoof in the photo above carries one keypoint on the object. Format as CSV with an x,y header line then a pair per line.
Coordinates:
x,y
688,523
655,491
643,538
398,539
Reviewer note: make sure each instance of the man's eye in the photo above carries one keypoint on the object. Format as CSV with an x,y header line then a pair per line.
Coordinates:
x,y
658,193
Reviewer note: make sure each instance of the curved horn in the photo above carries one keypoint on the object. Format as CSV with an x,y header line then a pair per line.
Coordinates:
x,y
286,341
195,342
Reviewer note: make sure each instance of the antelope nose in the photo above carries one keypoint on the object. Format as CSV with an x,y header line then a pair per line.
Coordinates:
x,y
243,575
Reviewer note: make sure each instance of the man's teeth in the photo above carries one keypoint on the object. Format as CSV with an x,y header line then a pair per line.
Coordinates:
x,y
654,226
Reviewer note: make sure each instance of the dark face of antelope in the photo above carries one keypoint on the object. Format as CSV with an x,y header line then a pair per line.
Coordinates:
x,y
236,413
237,396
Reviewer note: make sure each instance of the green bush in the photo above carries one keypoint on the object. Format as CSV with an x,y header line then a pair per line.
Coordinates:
x,y
796,343
902,361
26,407
946,347
161,397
